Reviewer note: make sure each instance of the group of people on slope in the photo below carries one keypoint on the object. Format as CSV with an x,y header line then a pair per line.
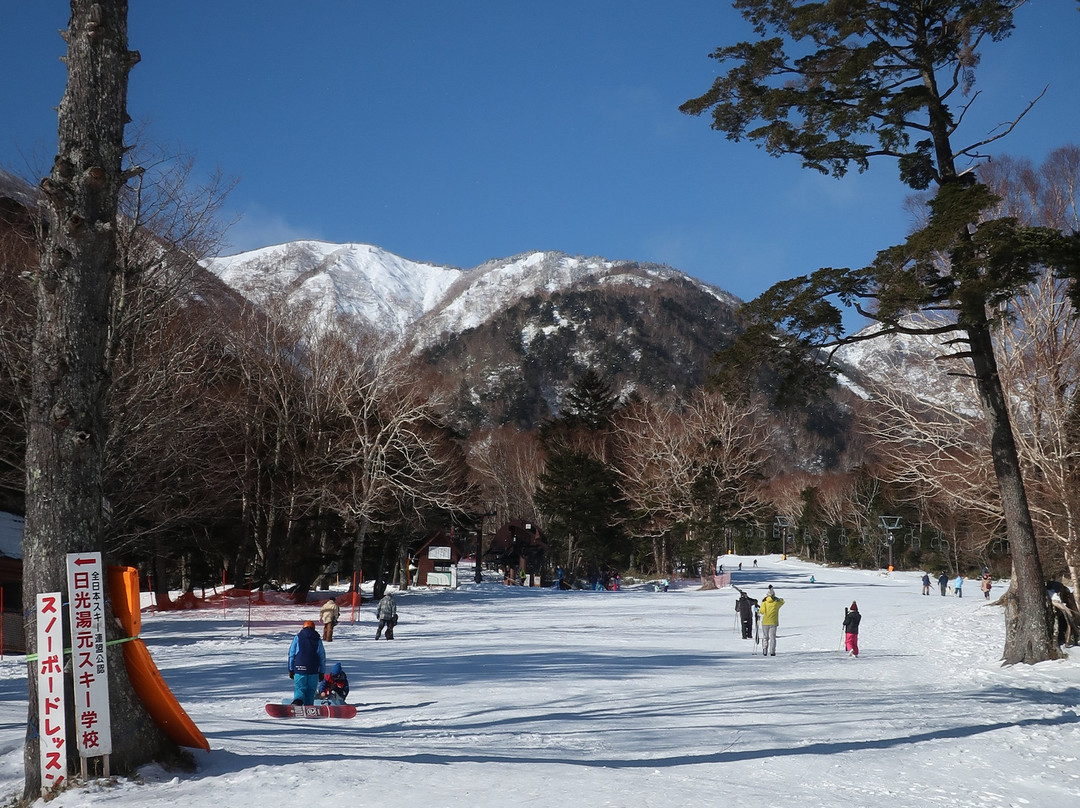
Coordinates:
x,y
985,584
307,654
769,612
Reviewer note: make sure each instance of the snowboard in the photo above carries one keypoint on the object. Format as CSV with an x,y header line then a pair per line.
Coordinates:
x,y
311,710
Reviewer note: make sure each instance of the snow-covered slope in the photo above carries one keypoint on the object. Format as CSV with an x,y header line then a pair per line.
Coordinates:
x,y
492,696
492,286
418,300
917,364
357,280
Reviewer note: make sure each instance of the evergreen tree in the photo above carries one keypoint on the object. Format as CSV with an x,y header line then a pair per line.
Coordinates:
x,y
580,496
579,489
837,83
590,402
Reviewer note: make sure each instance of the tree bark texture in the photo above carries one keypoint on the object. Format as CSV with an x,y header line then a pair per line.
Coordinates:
x,y
1028,616
66,428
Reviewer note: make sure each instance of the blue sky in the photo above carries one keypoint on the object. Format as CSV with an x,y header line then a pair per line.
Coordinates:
x,y
458,132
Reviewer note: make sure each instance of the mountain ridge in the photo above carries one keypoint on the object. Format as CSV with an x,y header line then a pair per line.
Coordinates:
x,y
420,300
512,332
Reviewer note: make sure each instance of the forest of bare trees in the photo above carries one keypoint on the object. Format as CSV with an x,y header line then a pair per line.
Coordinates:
x,y
242,442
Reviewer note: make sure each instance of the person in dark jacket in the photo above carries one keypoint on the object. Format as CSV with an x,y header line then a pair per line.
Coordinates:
x,y
307,662
943,582
387,614
851,629
334,687
745,607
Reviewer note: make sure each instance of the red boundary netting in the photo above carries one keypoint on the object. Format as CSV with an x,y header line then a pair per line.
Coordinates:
x,y
239,597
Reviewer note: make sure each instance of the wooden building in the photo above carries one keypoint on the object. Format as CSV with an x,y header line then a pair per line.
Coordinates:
x,y
13,631
436,561
518,548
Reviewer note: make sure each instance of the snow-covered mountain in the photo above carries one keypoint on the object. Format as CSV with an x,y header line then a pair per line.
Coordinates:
x,y
916,364
421,301
357,280
513,333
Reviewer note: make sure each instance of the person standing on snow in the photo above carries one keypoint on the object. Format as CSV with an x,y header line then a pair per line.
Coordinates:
x,y
307,661
387,614
943,582
329,614
958,585
986,584
926,583
851,629
770,620
745,607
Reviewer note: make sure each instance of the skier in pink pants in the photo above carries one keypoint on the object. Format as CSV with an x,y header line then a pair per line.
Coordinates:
x,y
851,629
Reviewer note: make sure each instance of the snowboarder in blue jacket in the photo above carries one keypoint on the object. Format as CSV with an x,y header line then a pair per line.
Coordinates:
x,y
307,662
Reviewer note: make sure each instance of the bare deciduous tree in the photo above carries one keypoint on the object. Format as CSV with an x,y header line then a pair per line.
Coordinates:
x,y
690,471
66,427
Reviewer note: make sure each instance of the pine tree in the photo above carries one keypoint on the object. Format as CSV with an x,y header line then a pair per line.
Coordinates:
x,y
837,83
590,402
580,495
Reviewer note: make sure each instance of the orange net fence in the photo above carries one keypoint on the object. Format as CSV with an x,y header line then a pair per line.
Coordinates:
x,y
241,597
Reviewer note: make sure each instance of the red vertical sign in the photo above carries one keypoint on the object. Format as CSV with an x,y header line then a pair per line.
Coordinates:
x,y
50,670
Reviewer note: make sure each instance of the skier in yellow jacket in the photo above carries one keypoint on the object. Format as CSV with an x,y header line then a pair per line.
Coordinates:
x,y
770,619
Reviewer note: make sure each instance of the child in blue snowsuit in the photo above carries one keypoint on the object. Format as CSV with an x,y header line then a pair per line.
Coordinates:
x,y
335,685
307,661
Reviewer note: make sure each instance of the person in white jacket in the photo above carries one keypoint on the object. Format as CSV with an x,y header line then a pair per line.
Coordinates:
x,y
329,614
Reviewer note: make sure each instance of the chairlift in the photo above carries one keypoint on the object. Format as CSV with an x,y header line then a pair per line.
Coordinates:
x,y
914,540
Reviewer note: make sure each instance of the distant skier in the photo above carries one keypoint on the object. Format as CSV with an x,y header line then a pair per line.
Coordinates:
x,y
958,586
745,606
329,614
307,661
770,620
851,629
943,582
926,583
387,614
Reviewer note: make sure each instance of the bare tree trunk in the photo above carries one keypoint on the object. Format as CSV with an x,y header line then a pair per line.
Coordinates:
x,y
66,429
358,551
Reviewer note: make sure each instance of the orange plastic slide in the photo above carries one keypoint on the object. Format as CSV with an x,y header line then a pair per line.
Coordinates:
x,y
145,677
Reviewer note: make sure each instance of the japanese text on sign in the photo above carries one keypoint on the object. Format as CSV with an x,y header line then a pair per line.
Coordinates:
x,y
86,599
50,668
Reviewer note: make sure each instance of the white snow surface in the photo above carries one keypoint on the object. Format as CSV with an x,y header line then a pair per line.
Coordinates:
x,y
492,696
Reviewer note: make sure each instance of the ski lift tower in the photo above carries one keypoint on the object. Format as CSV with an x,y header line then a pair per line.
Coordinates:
x,y
784,523
890,524
478,574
